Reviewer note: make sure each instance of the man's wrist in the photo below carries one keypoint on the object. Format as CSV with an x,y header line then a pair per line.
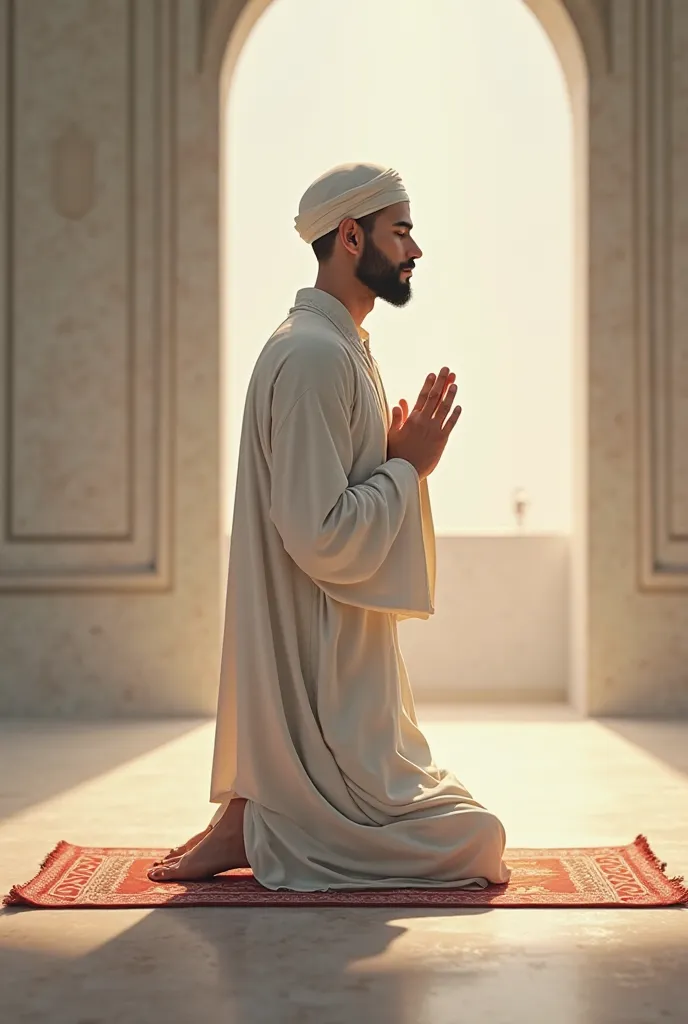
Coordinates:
x,y
406,463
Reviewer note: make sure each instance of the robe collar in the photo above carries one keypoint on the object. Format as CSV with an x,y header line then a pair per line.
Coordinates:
x,y
336,312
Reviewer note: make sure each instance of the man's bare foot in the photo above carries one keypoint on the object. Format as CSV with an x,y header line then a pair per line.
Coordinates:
x,y
178,851
221,849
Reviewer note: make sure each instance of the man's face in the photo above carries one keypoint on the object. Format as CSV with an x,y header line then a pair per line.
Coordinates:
x,y
389,255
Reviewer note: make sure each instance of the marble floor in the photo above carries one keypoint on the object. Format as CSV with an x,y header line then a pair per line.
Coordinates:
x,y
553,778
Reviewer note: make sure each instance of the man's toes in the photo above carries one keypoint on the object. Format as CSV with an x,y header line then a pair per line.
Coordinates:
x,y
170,855
179,851
163,871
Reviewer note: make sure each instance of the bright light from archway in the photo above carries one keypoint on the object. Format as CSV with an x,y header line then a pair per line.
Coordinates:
x,y
467,100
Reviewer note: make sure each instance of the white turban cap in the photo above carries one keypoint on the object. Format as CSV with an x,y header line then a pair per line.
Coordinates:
x,y
350,190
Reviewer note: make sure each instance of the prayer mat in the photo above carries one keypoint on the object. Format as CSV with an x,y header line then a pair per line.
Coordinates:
x,y
80,877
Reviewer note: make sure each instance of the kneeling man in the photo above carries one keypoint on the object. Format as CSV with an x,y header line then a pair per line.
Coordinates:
x,y
323,778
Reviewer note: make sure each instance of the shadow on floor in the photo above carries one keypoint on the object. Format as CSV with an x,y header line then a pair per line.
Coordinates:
x,y
664,740
331,966
40,759
249,966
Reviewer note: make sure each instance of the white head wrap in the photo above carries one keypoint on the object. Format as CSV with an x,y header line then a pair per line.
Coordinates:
x,y
350,190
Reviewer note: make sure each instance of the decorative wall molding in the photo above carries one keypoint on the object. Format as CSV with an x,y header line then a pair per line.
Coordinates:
x,y
606,18
138,556
206,11
73,173
663,552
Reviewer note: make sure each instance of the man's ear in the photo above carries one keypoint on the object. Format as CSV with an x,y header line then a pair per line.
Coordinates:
x,y
350,236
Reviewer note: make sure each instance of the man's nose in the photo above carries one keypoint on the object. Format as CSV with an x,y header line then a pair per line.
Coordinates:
x,y
416,252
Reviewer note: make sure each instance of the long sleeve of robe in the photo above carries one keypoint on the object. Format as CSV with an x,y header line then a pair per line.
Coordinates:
x,y
331,544
362,543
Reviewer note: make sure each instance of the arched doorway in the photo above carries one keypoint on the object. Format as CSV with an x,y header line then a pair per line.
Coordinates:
x,y
570,26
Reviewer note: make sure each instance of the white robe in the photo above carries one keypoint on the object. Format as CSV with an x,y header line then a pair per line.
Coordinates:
x,y
331,545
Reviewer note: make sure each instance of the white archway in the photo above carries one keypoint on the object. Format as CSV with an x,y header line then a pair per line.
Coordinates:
x,y
578,30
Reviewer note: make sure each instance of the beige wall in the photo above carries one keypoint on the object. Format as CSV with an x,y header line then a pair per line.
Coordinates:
x,y
500,631
110,540
110,535
638,372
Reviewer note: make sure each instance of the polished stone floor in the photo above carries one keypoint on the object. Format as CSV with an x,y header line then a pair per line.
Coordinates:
x,y
554,780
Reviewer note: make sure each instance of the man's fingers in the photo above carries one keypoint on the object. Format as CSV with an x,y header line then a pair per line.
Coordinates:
x,y
452,421
434,391
437,391
425,391
447,402
404,409
397,417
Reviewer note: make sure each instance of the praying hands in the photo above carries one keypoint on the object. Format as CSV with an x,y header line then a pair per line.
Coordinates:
x,y
421,436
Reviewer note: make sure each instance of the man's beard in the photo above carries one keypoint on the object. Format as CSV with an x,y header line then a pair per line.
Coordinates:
x,y
382,276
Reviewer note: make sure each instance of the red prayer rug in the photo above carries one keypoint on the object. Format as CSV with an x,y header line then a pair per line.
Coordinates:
x,y
80,877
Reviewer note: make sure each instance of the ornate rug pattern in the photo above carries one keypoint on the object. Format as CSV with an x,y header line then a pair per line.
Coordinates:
x,y
79,877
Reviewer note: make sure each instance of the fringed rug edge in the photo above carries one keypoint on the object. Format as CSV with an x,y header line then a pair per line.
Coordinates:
x,y
677,882
15,896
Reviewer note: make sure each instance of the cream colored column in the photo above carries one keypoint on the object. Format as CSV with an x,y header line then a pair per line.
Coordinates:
x,y
110,574
638,379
